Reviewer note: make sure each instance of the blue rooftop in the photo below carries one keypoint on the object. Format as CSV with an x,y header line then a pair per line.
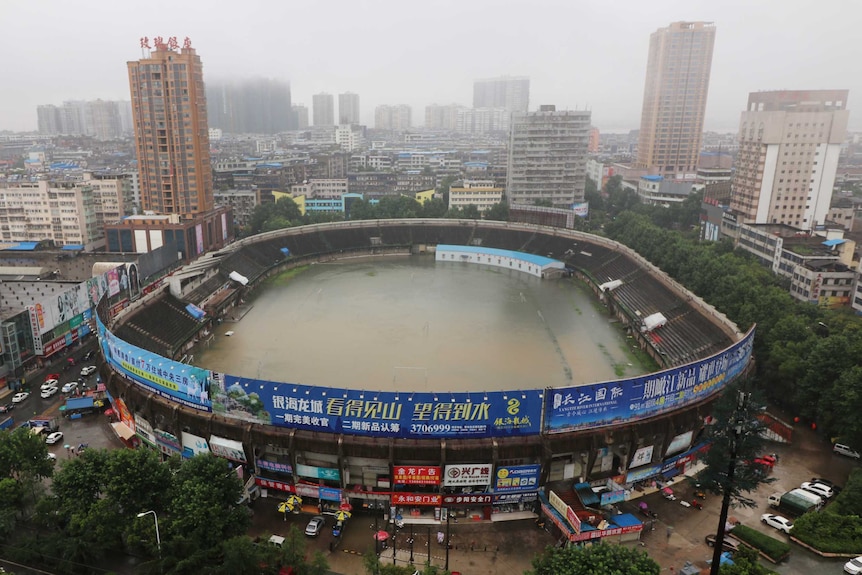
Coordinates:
x,y
653,178
80,403
73,248
833,243
23,246
540,261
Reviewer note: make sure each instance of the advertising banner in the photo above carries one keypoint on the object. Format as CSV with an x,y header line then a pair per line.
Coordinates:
x,y
467,474
173,380
199,235
285,468
417,499
168,443
273,484
113,282
317,472
601,533
465,499
517,478
564,510
506,498
306,490
679,443
144,430
34,329
610,403
227,448
416,475
329,494
582,209
380,414
642,456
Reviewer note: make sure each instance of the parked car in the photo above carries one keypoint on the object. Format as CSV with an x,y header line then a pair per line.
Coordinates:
x,y
86,371
7,407
828,483
315,526
777,522
730,543
50,382
87,356
842,449
51,457
854,566
70,387
20,396
48,392
823,491
54,437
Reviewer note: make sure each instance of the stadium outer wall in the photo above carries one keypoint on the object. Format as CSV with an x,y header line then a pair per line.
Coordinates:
x,y
365,469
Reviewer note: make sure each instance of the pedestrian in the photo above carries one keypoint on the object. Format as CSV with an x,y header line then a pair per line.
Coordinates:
x,y
669,532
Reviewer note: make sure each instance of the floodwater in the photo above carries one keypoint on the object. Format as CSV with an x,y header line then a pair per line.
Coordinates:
x,y
410,323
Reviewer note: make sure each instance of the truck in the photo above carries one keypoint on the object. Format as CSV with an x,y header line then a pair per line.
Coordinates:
x,y
795,502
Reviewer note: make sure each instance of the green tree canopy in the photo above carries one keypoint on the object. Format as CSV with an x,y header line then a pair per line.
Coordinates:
x,y
601,558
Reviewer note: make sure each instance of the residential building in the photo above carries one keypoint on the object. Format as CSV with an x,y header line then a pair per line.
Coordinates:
x,y
661,191
547,157
677,83
509,92
443,117
321,189
251,106
300,116
348,108
101,119
242,202
323,108
190,237
482,120
789,144
413,181
397,118
480,193
351,137
599,172
171,131
595,141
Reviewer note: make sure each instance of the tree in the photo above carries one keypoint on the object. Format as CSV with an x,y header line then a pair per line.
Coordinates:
x,y
499,211
599,558
745,563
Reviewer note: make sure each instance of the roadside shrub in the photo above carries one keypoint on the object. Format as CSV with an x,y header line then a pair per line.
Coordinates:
x,y
769,546
830,532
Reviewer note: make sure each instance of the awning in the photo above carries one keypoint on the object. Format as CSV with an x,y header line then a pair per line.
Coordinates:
x,y
227,448
123,430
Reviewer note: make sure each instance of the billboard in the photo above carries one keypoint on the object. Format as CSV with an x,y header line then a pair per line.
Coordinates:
x,y
513,478
179,382
416,475
467,474
614,402
642,456
378,414
679,443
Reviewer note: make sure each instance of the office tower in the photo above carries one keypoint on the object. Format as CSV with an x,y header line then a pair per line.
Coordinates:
x,y
677,83
547,157
300,116
789,142
48,119
323,109
171,132
443,117
254,106
348,108
397,118
511,93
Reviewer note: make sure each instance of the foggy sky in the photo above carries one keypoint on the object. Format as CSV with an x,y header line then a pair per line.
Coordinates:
x,y
578,54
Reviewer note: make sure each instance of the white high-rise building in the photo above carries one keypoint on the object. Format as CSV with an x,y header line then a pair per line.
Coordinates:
x,y
348,108
547,157
397,118
511,93
323,109
789,143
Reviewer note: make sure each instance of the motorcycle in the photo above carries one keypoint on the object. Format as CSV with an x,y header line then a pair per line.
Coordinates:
x,y
697,504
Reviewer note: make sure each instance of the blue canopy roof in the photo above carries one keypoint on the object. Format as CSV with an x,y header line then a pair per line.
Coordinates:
x,y
833,243
79,403
23,246
73,248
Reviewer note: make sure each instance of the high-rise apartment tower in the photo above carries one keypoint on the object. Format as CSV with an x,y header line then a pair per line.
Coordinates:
x,y
789,143
677,83
169,109
511,93
323,109
547,157
348,108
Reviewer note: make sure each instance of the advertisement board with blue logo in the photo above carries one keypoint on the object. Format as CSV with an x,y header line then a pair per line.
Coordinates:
x,y
511,478
611,403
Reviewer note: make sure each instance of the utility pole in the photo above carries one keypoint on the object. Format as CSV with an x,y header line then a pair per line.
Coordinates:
x,y
447,539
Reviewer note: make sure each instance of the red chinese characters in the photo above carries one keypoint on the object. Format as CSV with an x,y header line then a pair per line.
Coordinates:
x,y
416,475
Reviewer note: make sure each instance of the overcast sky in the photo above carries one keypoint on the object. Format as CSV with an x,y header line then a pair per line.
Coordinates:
x,y
578,54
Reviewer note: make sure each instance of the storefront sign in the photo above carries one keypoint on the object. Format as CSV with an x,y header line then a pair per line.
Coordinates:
x,y
318,472
467,499
417,499
168,443
611,403
601,533
329,494
556,520
517,478
642,456
273,484
611,497
506,498
34,329
144,430
467,474
227,448
416,475
564,510
643,473
573,519
285,468
193,445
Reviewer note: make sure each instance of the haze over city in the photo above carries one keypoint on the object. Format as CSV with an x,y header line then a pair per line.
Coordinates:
x,y
578,55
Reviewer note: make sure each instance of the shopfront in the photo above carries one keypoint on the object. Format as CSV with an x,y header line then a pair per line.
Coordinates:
x,y
515,488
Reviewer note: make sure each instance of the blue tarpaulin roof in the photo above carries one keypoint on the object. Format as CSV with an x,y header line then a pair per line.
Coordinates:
x,y
23,246
833,243
195,311
79,403
73,248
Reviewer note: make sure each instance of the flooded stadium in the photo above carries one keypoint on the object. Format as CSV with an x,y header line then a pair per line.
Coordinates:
x,y
410,323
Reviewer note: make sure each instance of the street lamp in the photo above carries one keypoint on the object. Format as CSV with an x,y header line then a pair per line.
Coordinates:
x,y
158,539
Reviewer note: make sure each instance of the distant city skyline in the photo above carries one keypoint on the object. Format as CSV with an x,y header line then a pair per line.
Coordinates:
x,y
599,65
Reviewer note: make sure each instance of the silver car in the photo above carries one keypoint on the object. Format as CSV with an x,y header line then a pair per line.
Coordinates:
x,y
315,526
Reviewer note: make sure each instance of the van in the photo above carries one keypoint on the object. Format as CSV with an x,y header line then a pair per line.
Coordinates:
x,y
842,449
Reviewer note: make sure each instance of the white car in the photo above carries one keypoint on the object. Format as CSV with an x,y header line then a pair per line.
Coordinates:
x,y
54,437
70,387
50,383
48,392
777,522
854,566
51,457
19,397
820,489
85,371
